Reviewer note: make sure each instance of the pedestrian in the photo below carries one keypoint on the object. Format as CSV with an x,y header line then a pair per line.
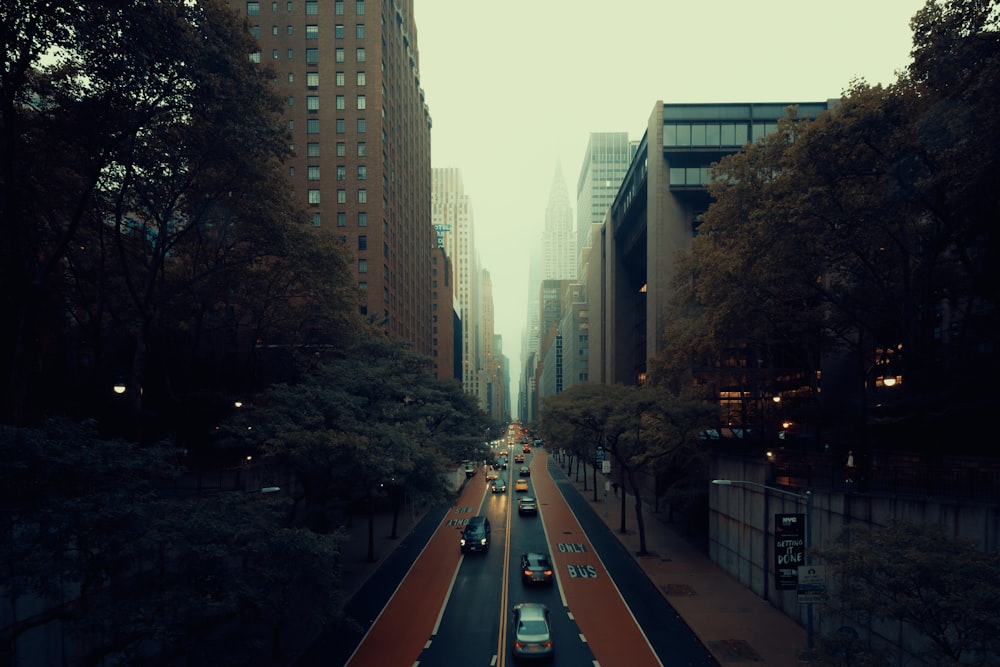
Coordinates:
x,y
849,468
614,485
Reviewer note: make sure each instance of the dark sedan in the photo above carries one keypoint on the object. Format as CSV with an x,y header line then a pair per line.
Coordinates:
x,y
536,568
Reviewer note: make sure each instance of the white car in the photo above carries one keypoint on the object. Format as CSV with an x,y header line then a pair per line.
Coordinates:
x,y
532,633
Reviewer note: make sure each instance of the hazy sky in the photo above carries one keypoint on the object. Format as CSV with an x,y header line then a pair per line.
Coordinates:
x,y
516,88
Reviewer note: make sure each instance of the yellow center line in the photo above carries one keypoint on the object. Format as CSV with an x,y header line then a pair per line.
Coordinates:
x,y
502,639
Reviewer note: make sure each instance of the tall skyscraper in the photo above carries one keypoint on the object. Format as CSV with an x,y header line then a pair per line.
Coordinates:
x,y
360,132
558,240
451,213
604,165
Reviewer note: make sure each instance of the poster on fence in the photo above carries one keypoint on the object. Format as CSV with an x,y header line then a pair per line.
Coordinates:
x,y
789,549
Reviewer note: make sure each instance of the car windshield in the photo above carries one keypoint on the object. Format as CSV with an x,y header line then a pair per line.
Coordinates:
x,y
532,628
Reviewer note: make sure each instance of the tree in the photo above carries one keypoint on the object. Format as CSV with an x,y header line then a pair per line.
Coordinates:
x,y
919,580
371,423
642,430
140,571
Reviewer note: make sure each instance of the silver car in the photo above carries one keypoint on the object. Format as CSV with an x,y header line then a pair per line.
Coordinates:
x,y
532,633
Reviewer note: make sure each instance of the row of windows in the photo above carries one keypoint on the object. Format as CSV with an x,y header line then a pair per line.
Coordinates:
x,y
730,135
312,7
312,31
312,57
340,101
362,196
312,125
312,172
312,79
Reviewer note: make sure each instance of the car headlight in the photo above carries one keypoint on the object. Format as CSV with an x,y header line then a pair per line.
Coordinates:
x,y
483,541
462,542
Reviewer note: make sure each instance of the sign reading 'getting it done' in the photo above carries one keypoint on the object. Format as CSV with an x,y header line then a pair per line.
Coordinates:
x,y
789,549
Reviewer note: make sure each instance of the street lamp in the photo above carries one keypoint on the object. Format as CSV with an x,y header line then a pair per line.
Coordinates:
x,y
808,498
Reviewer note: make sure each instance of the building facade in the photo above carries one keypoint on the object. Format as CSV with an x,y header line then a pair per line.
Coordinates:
x,y
360,134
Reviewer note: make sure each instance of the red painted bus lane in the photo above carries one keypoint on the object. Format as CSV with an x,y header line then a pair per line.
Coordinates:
x,y
595,602
407,621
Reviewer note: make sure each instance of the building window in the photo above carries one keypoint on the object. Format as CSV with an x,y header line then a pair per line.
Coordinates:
x,y
255,31
341,149
274,7
362,196
362,266
338,7
361,126
341,196
312,32
359,31
341,172
312,7
340,79
359,54
361,78
362,149
362,242
313,172
274,30
253,9
359,7
312,126
341,126
362,219
312,56
274,54
341,219
362,172
315,219
312,149
341,102
362,102
291,101
312,79
314,196
255,57
291,77
290,54
338,31
362,286
339,55
312,102
288,30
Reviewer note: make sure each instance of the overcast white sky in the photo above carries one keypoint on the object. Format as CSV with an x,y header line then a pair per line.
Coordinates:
x,y
515,88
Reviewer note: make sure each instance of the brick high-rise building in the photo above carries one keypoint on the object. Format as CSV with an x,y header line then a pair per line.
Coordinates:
x,y
360,131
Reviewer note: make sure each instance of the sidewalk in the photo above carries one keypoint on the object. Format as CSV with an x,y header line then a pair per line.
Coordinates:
x,y
737,626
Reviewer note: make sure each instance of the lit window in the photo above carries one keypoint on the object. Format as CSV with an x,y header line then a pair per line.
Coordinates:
x,y
362,102
312,32
291,77
314,196
312,102
340,78
255,57
362,196
312,79
361,78
359,55
341,102
338,31
341,196
339,55
274,30
274,54
341,149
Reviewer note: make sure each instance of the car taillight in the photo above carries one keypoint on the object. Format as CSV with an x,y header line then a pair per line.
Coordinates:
x,y
527,573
